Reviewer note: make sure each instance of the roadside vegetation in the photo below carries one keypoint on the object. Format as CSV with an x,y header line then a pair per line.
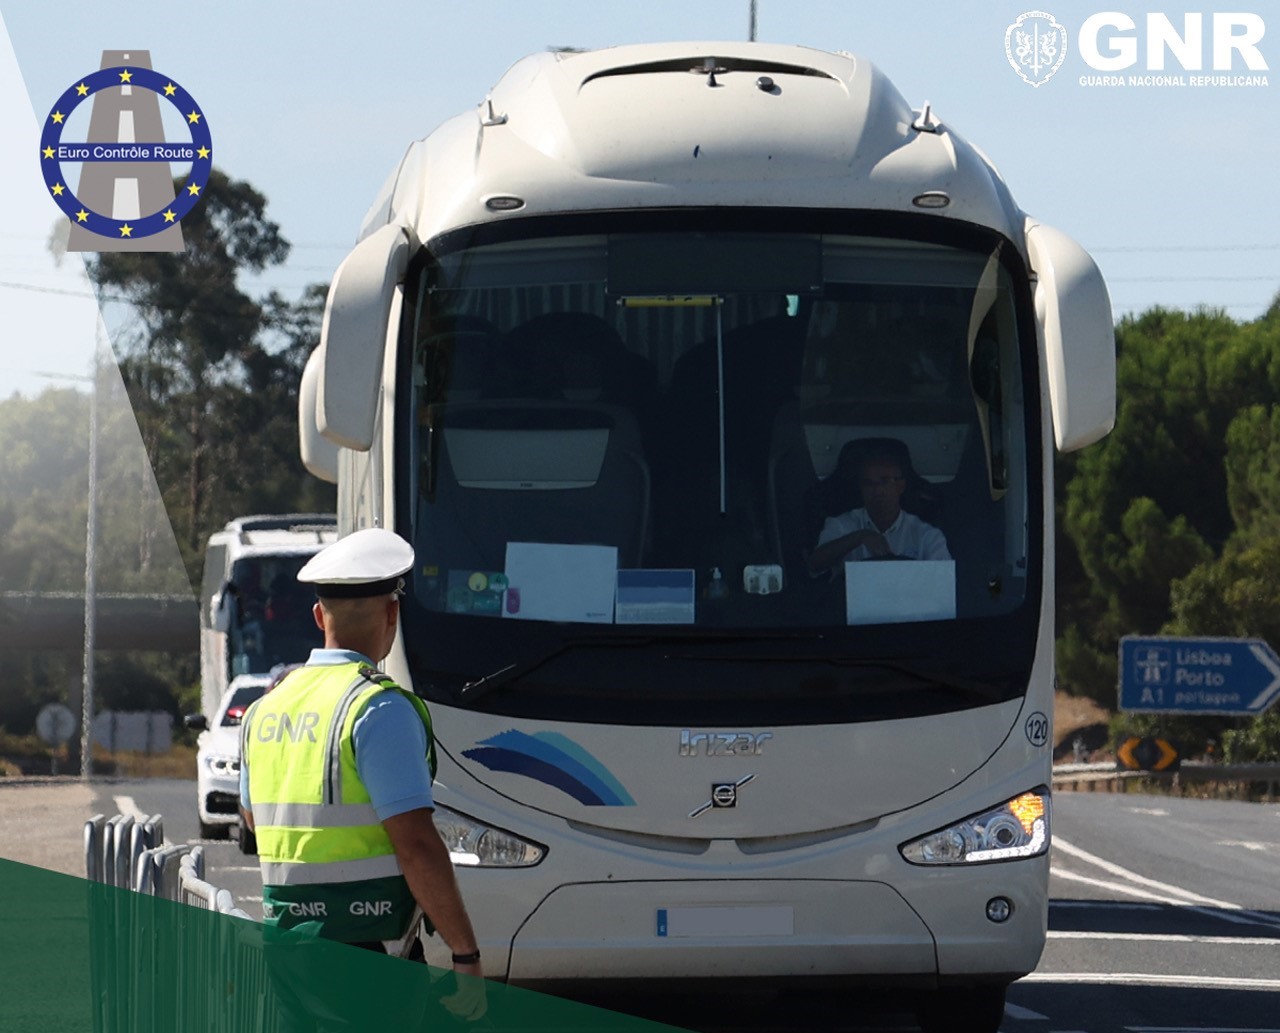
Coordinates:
x,y
1171,524
198,425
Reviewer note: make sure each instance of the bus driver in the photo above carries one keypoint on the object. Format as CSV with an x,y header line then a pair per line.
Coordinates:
x,y
881,528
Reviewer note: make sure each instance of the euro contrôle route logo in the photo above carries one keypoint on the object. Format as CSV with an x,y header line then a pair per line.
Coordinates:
x,y
198,152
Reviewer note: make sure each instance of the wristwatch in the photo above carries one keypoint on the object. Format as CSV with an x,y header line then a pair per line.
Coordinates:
x,y
467,959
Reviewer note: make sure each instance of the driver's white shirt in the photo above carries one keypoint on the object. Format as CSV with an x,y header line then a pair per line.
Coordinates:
x,y
909,537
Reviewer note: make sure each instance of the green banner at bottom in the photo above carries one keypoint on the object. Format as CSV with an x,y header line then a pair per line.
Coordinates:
x,y
77,956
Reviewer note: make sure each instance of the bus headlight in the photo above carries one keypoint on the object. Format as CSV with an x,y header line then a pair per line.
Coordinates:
x,y
475,845
1017,828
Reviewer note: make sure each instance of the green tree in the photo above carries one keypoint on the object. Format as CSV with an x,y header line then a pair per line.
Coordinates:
x,y
196,329
1151,503
1237,596
260,468
1253,473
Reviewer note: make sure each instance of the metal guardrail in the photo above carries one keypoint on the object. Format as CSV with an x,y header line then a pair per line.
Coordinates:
x,y
1107,776
141,960
113,846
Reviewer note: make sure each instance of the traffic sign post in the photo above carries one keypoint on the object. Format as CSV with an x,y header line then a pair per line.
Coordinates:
x,y
55,724
1238,677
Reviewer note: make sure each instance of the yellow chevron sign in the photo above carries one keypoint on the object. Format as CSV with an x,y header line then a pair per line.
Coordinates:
x,y
1147,754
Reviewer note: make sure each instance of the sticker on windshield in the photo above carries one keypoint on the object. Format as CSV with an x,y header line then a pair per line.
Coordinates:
x,y
475,591
655,597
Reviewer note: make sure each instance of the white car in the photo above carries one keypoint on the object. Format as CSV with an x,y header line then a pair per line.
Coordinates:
x,y
218,757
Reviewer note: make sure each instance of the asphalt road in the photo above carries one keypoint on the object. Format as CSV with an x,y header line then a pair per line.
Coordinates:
x,y
1164,918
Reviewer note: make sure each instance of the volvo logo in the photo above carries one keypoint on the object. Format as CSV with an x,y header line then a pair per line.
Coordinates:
x,y
722,744
723,794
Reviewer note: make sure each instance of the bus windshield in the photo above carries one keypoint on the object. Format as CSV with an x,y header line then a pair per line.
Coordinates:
x,y
271,621
737,447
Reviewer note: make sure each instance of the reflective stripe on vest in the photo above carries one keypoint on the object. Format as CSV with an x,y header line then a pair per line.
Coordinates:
x,y
275,873
315,815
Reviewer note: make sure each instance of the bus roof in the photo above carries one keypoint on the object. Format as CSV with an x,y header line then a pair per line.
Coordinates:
x,y
278,534
690,124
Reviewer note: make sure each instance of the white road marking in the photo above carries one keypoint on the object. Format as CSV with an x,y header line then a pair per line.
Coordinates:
x,y
1117,887
1261,941
1248,845
239,868
256,900
1159,812
126,90
125,202
124,128
1229,912
1153,979
1224,910
126,806
1016,1011
1093,905
1110,866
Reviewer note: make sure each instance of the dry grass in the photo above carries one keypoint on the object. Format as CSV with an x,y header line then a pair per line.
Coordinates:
x,y
1072,713
27,755
179,762
1077,715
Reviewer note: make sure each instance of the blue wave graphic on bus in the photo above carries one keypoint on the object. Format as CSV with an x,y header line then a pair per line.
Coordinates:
x,y
556,760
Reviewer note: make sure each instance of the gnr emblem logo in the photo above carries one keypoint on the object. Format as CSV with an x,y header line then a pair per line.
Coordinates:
x,y
1036,46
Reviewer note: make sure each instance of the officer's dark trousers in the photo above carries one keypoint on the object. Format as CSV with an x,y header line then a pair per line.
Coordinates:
x,y
320,986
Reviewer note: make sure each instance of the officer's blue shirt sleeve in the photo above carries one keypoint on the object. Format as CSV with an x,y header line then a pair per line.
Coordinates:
x,y
391,755
244,774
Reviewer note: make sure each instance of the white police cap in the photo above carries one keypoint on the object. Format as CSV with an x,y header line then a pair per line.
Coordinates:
x,y
363,564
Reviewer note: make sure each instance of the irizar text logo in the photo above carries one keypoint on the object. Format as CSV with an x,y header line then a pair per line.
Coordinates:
x,y
1191,49
1036,46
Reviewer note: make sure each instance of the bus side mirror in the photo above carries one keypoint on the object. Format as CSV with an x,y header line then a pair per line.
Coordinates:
x,y
1073,309
353,337
224,608
319,454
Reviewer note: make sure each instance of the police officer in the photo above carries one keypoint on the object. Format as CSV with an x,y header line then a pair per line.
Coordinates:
x,y
336,776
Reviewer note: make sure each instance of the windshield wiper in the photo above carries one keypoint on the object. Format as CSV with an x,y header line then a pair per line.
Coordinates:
x,y
983,691
482,686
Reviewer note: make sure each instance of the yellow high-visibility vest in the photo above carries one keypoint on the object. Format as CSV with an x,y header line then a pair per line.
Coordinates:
x,y
325,856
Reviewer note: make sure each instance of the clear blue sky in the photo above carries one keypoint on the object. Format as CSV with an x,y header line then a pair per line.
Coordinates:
x,y
1171,188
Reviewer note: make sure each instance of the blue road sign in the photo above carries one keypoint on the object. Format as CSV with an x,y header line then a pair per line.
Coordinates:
x,y
1238,676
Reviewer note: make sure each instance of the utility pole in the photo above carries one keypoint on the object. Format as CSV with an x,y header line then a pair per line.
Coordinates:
x,y
90,551
751,29
90,569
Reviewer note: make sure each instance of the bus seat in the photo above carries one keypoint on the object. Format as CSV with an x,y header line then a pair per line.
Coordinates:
x,y
577,357
535,471
456,356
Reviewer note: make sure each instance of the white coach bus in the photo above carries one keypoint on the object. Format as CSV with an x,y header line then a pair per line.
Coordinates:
x,y
611,351
254,615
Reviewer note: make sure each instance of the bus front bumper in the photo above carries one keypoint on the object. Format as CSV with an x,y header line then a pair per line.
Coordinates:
x,y
927,930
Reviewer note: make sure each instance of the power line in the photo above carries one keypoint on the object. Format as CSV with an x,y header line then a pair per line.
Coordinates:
x,y
1105,249
48,290
1274,278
